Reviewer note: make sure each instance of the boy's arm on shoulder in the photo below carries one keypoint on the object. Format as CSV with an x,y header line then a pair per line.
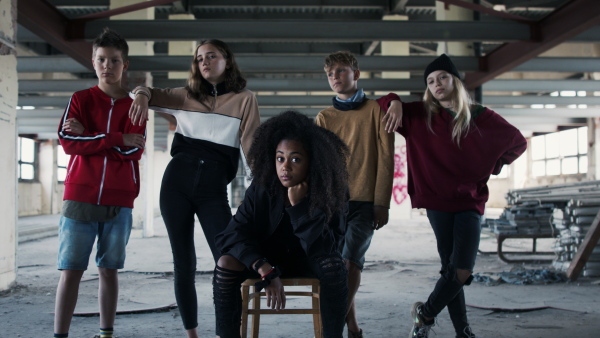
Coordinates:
x,y
385,163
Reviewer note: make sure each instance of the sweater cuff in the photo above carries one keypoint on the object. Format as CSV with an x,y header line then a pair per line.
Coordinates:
x,y
141,91
299,210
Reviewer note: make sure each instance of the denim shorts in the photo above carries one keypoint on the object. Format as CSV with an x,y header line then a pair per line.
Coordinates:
x,y
77,238
359,232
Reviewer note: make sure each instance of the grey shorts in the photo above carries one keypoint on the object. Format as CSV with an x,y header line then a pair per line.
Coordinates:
x,y
359,232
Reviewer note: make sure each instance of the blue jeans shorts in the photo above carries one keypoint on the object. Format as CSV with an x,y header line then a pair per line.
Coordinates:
x,y
77,238
359,232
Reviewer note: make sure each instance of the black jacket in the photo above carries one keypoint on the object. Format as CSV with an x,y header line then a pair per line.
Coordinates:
x,y
259,215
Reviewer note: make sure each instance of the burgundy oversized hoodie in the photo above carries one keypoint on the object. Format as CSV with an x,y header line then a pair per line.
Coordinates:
x,y
447,177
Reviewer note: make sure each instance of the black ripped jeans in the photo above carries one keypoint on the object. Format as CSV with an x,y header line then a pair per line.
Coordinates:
x,y
192,186
457,235
329,269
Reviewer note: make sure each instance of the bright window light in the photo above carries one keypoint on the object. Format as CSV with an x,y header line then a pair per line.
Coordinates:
x,y
18,107
537,106
538,168
554,94
582,93
568,93
572,106
553,167
583,164
582,106
550,106
28,107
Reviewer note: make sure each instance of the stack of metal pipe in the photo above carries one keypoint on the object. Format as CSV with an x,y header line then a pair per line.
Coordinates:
x,y
575,206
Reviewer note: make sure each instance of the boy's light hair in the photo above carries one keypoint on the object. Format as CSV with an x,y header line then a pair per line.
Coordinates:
x,y
343,58
110,38
461,101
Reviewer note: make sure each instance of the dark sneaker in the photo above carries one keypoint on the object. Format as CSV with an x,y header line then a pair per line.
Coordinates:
x,y
420,328
468,333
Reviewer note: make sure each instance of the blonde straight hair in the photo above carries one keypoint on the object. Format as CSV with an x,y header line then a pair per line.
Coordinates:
x,y
461,105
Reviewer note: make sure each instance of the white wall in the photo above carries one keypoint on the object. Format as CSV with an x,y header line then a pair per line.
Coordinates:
x,y
8,129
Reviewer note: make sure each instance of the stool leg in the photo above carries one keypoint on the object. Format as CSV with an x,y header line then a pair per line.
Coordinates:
x,y
245,301
255,317
317,317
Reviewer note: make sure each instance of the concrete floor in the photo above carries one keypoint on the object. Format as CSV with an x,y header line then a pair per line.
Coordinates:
x,y
401,268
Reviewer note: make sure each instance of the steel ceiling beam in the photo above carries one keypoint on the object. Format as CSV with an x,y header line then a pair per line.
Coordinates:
x,y
306,63
391,85
124,9
24,35
307,30
45,21
325,100
564,23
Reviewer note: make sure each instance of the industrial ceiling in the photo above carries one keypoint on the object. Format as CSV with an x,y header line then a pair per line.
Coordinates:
x,y
280,47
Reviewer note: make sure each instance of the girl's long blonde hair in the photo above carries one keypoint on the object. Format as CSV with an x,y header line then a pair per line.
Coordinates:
x,y
461,105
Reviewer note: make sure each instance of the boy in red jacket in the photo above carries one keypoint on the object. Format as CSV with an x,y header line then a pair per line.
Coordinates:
x,y
102,182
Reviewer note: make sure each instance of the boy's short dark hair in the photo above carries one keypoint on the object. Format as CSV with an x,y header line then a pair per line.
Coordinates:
x,y
110,38
343,58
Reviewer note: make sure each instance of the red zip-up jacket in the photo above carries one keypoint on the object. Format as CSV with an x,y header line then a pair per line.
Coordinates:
x,y
102,170
443,176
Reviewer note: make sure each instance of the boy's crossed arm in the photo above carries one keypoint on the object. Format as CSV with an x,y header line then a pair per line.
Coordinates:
x,y
76,141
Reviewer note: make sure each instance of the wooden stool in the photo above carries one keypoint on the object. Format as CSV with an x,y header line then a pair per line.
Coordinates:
x,y
256,311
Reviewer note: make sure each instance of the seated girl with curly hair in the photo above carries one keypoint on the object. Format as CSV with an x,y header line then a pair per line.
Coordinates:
x,y
290,224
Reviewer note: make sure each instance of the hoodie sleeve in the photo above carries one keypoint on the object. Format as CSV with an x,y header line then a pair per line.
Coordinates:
x,y
240,237
88,143
516,147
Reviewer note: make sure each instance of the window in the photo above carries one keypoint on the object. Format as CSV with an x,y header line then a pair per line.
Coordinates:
x,y
27,159
561,153
62,160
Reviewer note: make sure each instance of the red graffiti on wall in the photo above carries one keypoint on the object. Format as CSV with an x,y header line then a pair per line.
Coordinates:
x,y
400,189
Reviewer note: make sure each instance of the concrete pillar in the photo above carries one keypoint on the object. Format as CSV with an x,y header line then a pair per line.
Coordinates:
x,y
400,207
454,13
187,48
143,211
9,91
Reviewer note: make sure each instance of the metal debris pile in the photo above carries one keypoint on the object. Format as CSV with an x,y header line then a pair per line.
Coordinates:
x,y
566,210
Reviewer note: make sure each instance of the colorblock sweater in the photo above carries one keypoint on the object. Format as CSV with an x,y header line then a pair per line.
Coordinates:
x,y
215,129
444,176
371,162
101,170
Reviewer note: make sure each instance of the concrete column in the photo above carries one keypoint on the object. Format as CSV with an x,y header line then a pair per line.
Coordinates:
x,y
454,13
186,48
143,211
9,91
400,207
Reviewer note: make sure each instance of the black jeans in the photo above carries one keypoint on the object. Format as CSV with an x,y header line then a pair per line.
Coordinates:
x,y
329,269
192,186
457,235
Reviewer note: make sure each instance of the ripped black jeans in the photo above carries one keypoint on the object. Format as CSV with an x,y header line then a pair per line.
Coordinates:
x,y
329,269
457,235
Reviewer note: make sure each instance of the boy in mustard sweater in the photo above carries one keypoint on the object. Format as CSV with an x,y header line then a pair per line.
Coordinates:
x,y
357,120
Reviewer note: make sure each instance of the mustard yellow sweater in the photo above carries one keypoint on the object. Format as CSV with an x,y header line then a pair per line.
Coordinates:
x,y
371,162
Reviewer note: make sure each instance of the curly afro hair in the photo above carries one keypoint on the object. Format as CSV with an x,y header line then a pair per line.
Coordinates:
x,y
327,174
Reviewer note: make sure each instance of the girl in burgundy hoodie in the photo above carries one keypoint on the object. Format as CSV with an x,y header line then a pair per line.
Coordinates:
x,y
453,146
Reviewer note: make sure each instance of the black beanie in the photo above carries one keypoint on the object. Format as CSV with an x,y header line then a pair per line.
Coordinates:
x,y
443,62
